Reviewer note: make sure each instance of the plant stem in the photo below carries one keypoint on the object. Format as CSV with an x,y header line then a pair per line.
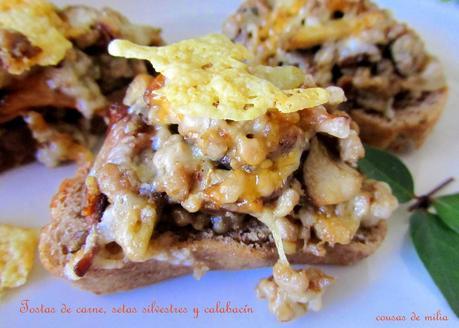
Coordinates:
x,y
440,187
425,201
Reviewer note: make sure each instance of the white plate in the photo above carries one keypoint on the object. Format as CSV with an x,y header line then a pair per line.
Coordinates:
x,y
392,282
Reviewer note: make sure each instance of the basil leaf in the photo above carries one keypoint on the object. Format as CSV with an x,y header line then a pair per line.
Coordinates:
x,y
437,246
380,165
447,208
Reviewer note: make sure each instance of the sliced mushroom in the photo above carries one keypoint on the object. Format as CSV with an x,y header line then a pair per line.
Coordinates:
x,y
329,181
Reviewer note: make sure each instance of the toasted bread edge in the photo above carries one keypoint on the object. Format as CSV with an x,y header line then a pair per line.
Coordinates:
x,y
408,129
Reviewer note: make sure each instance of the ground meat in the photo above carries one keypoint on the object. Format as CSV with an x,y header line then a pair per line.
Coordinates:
x,y
75,77
226,221
93,29
95,208
54,147
173,163
115,72
96,27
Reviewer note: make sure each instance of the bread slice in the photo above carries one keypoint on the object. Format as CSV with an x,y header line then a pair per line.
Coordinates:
x,y
251,248
407,130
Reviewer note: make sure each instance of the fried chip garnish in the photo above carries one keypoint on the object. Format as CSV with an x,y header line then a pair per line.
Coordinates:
x,y
39,23
17,254
208,77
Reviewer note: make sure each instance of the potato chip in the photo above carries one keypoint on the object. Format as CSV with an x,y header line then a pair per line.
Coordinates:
x,y
38,21
207,77
283,77
17,254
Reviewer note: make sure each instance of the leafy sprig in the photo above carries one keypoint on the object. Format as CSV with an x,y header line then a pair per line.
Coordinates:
x,y
382,166
434,222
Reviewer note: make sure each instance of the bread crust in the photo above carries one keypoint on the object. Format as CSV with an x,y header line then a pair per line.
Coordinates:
x,y
407,130
215,253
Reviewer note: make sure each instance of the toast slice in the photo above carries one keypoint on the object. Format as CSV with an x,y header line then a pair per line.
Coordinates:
x,y
251,178
236,250
396,90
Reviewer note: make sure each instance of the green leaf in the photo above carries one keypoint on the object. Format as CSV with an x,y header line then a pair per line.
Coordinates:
x,y
383,166
437,246
447,208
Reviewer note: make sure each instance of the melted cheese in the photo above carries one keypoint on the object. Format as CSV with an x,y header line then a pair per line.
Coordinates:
x,y
336,230
38,21
310,36
130,221
207,77
254,184
270,220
